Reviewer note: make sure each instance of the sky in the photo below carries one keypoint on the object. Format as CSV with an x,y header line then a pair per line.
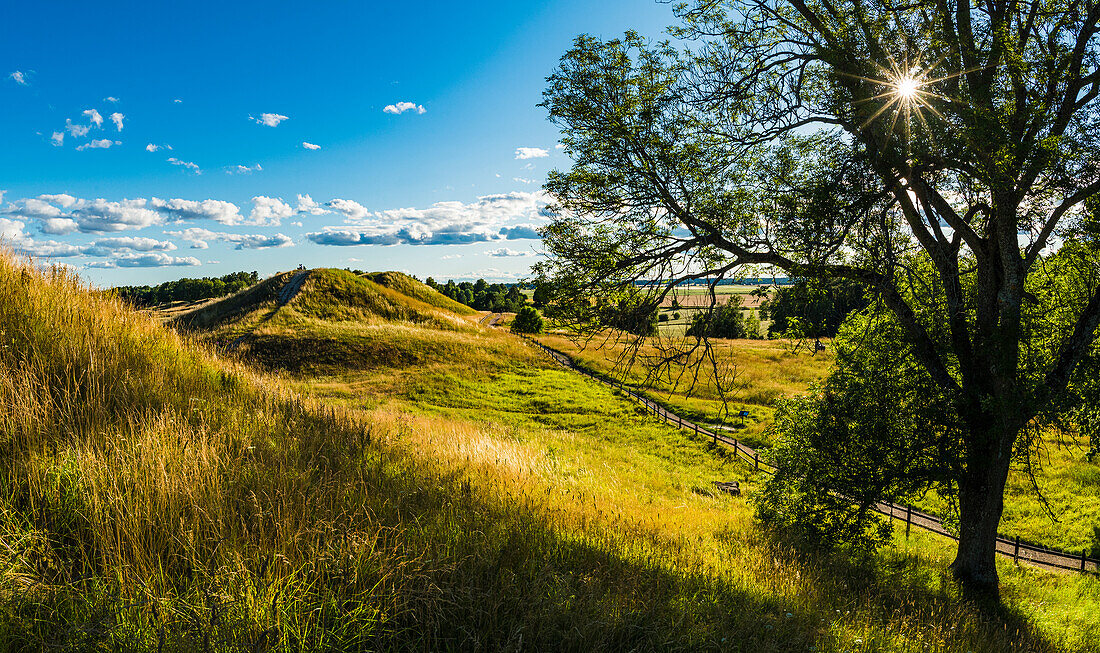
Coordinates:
x,y
147,141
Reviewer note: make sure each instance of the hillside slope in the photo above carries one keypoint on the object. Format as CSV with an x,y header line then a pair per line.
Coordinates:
x,y
327,319
156,498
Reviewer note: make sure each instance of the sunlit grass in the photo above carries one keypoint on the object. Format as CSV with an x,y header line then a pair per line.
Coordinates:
x,y
154,497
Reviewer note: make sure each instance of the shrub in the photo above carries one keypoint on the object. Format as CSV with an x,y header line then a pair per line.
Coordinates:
x,y
527,320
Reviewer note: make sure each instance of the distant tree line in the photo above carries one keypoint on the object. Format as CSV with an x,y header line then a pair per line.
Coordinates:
x,y
483,296
188,290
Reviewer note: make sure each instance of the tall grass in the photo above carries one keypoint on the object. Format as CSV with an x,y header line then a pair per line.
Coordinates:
x,y
154,497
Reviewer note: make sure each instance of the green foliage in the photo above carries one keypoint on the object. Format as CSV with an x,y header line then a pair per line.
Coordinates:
x,y
527,320
186,289
724,321
484,296
820,305
426,292
877,429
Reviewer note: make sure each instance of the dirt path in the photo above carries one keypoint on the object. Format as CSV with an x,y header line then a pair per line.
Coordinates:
x,y
292,288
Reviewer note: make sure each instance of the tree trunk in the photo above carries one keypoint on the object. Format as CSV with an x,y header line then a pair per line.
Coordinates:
x,y
981,502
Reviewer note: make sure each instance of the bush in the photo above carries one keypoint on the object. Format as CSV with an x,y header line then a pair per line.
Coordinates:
x,y
527,320
663,317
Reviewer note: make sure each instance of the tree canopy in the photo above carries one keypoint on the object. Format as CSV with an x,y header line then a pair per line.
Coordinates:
x,y
935,152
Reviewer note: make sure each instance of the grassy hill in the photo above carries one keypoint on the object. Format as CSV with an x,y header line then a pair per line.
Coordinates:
x,y
327,319
156,497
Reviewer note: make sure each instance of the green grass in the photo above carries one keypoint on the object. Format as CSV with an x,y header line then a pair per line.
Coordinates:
x,y
156,497
410,287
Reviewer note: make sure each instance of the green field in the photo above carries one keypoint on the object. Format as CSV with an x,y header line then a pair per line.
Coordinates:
x,y
459,491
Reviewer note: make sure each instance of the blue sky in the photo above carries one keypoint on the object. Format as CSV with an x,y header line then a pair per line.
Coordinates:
x,y
146,142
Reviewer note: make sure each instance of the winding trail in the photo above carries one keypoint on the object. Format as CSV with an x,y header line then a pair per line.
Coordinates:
x,y
1015,548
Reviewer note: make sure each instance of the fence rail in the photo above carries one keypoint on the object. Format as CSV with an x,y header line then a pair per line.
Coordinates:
x,y
1015,548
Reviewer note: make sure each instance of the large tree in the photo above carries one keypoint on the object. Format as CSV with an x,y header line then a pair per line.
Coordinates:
x,y
856,140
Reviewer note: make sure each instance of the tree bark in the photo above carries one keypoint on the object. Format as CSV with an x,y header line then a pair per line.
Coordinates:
x,y
981,502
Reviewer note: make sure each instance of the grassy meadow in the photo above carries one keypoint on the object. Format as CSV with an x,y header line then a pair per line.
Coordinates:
x,y
460,492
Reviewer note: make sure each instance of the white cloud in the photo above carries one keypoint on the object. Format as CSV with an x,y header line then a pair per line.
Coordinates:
x,y
269,119
35,209
523,181
531,153
77,131
216,210
243,170
151,260
310,146
269,211
94,117
57,139
109,246
47,248
559,146
117,118
59,226
199,237
110,98
63,200
307,205
100,144
177,101
11,229
490,218
102,216
20,77
190,165
506,252
402,107
151,147
352,210
448,257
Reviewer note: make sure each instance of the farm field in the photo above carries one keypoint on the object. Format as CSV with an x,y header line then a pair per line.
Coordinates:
x,y
477,496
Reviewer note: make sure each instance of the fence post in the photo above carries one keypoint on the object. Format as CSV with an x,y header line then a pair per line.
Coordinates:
x,y
1084,556
1016,551
908,519
756,460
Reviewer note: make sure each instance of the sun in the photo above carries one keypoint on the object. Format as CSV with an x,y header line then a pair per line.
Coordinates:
x,y
907,88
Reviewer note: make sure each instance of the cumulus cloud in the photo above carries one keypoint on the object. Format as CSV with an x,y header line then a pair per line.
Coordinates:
x,y
243,169
531,153
268,119
110,246
489,218
402,107
505,252
57,139
11,229
75,130
98,144
20,77
64,200
523,181
110,98
520,232
117,118
37,208
102,216
151,260
199,239
151,147
216,210
47,248
310,146
352,210
269,211
307,205
190,165
559,146
94,117
58,226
